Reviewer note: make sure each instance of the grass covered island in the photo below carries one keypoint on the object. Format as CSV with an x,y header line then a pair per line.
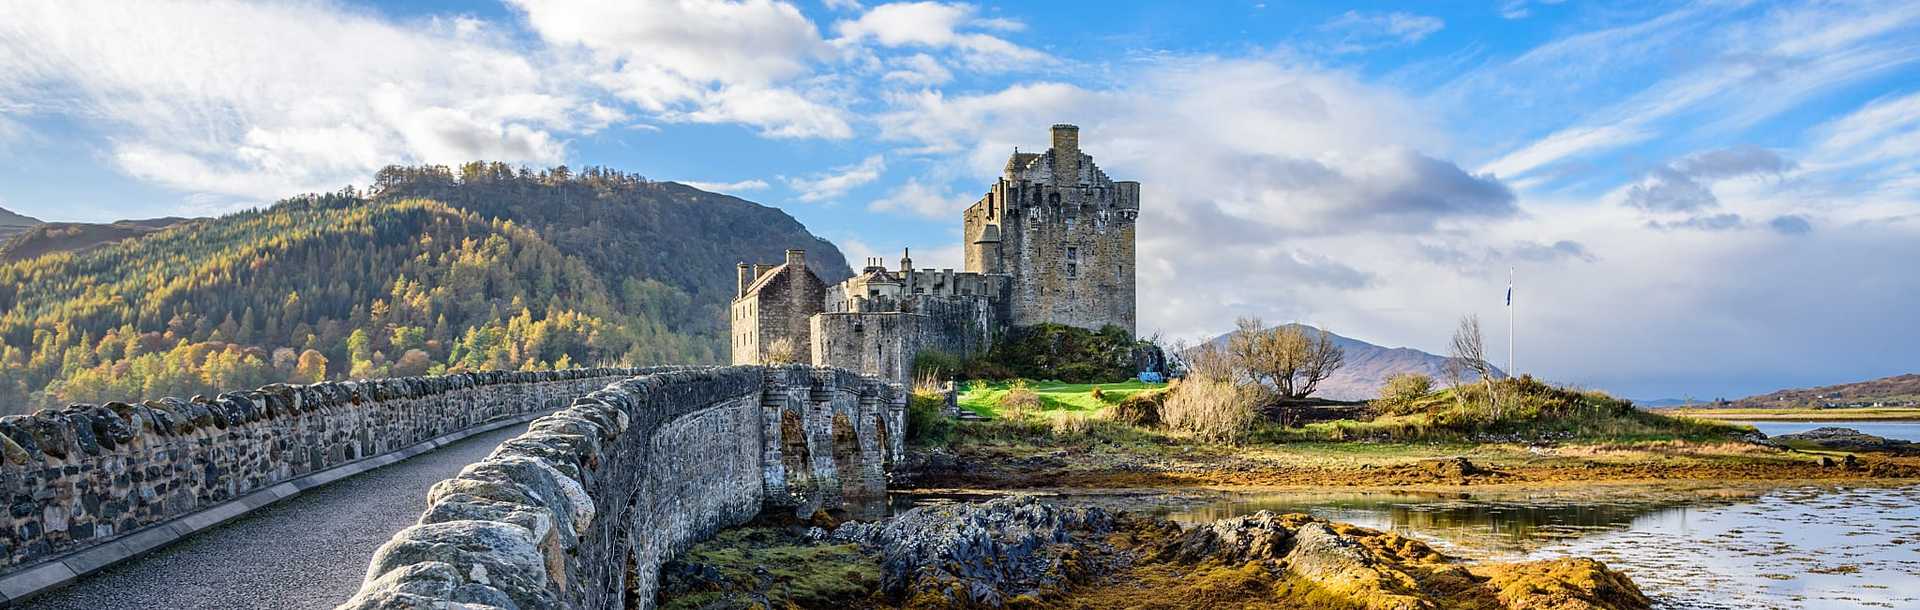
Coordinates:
x,y
1038,434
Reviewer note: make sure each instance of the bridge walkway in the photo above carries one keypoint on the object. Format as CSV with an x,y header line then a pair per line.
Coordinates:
x,y
307,551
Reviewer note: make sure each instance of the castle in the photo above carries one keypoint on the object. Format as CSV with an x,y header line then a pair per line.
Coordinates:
x,y
1052,241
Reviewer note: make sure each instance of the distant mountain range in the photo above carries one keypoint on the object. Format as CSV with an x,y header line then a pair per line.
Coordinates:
x,y
12,224
1895,390
1368,367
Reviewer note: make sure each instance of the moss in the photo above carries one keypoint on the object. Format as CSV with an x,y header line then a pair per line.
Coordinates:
x,y
764,566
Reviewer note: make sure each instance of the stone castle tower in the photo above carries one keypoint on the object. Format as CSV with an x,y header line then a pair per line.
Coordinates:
x,y
1064,232
1052,241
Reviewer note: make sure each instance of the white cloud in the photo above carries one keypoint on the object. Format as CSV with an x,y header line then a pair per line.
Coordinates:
x,y
261,101
936,25
728,187
918,69
1360,32
926,200
704,61
821,187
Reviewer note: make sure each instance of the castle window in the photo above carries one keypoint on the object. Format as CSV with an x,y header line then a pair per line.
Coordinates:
x,y
1054,199
1073,262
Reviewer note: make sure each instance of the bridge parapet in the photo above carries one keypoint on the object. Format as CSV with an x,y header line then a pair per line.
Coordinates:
x,y
582,510
91,484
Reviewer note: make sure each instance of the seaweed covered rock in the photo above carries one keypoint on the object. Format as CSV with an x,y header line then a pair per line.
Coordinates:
x,y
1293,560
1023,553
986,554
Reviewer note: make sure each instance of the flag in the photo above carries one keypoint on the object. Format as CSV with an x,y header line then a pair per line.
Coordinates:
x,y
1509,287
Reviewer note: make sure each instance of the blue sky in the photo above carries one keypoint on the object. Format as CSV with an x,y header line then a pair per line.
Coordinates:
x,y
1698,198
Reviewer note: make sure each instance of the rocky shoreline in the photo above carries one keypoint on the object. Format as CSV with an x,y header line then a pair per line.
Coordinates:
x,y
1024,553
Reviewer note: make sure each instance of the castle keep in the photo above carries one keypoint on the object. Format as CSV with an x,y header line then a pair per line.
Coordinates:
x,y
1051,241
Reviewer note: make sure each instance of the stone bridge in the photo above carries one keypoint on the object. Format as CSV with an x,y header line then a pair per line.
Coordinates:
x,y
579,511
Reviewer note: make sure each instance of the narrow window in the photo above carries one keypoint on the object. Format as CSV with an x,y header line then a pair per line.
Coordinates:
x,y
1073,262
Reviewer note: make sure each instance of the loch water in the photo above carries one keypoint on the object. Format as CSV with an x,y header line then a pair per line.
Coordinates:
x,y
1689,546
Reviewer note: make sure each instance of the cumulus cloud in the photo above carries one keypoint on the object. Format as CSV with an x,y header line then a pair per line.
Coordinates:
x,y
1683,184
704,61
1359,32
828,185
1791,224
937,25
266,100
921,198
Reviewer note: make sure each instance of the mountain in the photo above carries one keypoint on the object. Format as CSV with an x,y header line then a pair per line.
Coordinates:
x,y
490,269
48,238
1368,366
1899,389
12,224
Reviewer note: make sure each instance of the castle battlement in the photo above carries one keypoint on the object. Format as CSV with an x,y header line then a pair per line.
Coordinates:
x,y
1052,241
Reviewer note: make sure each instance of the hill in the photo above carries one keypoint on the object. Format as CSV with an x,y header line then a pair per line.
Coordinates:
x,y
1368,366
1898,390
12,224
48,238
516,270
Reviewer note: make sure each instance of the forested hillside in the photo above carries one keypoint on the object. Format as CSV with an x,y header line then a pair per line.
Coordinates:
x,y
516,270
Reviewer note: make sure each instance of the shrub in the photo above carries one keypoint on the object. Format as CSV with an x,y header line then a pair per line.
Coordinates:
x,y
1215,410
782,351
1141,409
1097,394
1067,353
1402,391
936,364
927,422
1019,401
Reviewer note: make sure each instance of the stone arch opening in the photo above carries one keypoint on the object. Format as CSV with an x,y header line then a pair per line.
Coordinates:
x,y
794,457
846,456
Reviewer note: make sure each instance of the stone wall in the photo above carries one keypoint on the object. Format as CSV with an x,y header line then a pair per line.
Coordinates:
x,y
89,475
581,511
884,343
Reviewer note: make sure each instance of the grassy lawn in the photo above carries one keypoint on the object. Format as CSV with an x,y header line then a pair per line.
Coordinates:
x,y
1056,399
1788,414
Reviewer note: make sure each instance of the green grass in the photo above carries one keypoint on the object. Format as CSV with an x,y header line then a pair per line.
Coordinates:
x,y
1056,399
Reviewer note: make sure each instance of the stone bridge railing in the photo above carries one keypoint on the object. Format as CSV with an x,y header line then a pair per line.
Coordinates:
x,y
88,485
582,510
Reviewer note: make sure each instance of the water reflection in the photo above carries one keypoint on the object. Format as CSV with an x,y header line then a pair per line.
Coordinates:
x,y
1688,545
1479,525
1712,547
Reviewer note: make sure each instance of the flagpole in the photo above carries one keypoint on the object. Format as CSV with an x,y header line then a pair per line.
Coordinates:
x,y
1510,327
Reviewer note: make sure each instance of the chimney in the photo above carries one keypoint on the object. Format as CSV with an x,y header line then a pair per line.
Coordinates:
x,y
746,278
1066,154
760,269
797,259
906,260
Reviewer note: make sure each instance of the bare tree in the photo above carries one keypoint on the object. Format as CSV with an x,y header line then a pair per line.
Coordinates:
x,y
1323,358
1470,355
